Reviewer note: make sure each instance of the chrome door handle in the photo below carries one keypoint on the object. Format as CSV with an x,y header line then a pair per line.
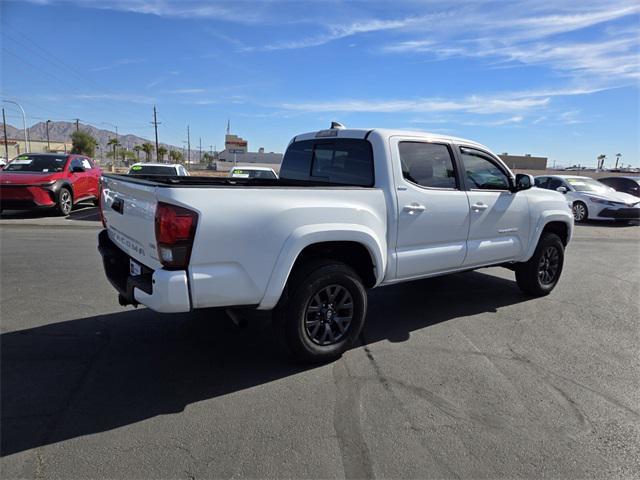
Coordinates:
x,y
479,206
414,208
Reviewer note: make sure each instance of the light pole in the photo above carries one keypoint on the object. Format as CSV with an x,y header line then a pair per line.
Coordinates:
x,y
48,142
27,144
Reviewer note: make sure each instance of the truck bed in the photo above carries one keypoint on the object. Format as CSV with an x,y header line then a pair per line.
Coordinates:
x,y
221,182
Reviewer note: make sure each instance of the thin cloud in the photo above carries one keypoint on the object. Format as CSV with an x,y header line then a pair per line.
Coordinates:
x,y
185,91
516,103
337,32
473,104
117,97
515,39
118,63
184,9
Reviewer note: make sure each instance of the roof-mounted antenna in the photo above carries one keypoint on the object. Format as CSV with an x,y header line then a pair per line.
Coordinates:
x,y
337,126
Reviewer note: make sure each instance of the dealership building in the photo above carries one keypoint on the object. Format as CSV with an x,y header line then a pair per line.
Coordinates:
x,y
524,162
236,150
17,146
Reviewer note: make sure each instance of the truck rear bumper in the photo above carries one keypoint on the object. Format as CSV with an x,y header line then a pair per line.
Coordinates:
x,y
161,290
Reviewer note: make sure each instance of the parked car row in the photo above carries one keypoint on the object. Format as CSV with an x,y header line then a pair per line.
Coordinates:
x,y
60,181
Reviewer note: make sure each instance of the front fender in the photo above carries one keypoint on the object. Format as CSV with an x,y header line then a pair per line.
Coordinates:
x,y
545,218
308,235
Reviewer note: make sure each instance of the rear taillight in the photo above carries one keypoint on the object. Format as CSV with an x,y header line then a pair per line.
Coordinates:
x,y
175,231
101,204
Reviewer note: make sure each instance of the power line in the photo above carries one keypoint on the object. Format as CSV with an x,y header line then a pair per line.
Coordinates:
x,y
48,56
108,105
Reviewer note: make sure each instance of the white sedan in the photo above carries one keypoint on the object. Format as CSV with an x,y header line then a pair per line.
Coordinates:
x,y
592,200
253,172
168,169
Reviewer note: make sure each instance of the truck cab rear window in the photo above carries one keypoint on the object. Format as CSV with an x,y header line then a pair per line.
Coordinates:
x,y
342,161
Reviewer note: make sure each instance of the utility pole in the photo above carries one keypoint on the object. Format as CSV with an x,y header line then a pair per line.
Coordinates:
x,y
200,150
77,124
188,145
155,125
211,149
48,142
6,144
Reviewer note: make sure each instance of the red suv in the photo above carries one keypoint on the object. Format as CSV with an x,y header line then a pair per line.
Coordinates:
x,y
49,180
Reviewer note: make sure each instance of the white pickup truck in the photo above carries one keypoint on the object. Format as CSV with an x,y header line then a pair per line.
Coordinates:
x,y
353,209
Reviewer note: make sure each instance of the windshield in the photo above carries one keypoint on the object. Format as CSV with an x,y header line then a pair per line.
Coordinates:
x,y
37,163
240,173
588,185
152,170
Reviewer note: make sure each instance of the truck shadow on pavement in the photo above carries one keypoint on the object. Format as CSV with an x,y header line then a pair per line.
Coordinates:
x,y
80,377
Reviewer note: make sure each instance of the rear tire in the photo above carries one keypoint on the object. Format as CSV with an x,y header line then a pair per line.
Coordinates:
x,y
540,275
580,212
65,202
322,311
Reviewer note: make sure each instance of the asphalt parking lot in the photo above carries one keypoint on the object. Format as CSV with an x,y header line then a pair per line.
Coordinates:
x,y
455,377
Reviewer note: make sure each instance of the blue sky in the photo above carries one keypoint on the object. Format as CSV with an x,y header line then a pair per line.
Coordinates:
x,y
555,78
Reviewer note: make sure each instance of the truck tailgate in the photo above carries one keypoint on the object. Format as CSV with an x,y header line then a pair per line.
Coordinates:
x,y
129,212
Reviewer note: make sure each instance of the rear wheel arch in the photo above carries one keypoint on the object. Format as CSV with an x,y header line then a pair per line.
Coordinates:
x,y
351,253
357,248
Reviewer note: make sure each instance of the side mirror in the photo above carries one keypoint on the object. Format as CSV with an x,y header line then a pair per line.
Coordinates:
x,y
523,182
561,189
77,169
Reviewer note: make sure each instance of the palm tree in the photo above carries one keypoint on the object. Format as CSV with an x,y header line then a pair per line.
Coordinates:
x,y
113,142
175,156
148,150
137,149
162,151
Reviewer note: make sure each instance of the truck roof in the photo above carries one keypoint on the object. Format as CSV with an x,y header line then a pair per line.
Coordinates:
x,y
384,132
149,164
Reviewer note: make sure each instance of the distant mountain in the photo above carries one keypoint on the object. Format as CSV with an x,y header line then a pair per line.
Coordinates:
x,y
61,131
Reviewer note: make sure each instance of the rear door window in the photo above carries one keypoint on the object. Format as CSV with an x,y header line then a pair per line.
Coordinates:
x,y
341,161
427,164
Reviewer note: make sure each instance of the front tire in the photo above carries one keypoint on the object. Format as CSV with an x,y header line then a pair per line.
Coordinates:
x,y
322,312
65,202
540,274
580,212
